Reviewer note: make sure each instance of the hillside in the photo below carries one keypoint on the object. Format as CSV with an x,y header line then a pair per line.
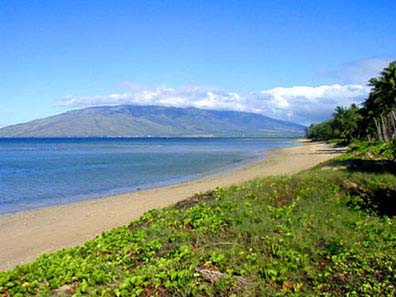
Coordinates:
x,y
153,121
276,236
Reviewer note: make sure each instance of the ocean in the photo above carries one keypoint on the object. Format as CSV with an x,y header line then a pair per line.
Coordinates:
x,y
36,173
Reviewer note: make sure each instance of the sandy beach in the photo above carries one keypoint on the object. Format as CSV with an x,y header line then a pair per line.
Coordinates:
x,y
26,235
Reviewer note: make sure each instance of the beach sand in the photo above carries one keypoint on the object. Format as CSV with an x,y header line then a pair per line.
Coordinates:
x,y
26,235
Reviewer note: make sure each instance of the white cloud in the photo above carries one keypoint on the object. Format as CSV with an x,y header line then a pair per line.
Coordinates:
x,y
186,96
304,104
301,104
359,72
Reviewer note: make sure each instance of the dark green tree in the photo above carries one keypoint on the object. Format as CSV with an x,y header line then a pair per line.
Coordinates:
x,y
344,125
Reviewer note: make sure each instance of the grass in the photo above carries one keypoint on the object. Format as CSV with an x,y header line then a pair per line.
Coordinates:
x,y
327,231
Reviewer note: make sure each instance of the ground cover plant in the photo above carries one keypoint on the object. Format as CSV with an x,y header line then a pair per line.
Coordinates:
x,y
327,231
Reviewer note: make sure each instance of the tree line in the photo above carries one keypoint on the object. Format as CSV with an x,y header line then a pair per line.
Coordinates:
x,y
375,120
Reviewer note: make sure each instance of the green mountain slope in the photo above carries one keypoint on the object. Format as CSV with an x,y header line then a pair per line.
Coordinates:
x,y
154,121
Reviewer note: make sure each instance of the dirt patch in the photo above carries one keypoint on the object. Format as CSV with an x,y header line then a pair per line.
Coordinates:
x,y
189,202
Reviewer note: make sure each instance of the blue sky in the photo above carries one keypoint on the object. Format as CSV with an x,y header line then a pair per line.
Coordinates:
x,y
287,59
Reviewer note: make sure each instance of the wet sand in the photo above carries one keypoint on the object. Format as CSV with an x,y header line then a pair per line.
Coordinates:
x,y
26,235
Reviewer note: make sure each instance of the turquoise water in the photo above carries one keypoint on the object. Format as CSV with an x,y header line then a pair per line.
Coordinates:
x,y
37,173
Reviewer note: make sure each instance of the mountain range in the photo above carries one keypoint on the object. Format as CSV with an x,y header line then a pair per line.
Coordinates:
x,y
153,121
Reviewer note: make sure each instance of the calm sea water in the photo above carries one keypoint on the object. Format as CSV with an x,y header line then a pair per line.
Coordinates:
x,y
36,173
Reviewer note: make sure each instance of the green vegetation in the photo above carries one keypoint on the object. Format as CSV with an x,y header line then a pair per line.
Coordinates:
x,y
343,127
330,230
374,150
375,120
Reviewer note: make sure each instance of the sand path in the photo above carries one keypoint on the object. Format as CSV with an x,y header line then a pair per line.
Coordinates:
x,y
25,235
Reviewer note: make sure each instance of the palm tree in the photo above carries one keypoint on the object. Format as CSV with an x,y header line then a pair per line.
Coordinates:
x,y
380,106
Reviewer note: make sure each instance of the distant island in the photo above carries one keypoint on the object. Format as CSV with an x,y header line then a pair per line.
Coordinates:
x,y
154,121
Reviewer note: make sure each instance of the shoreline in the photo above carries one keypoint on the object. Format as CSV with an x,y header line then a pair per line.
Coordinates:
x,y
27,234
70,198
213,173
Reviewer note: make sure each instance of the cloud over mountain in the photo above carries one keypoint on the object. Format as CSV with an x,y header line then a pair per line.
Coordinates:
x,y
185,96
301,104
